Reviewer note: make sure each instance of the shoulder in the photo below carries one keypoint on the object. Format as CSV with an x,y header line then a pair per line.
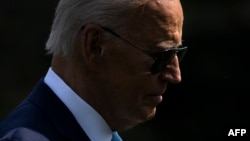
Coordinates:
x,y
23,134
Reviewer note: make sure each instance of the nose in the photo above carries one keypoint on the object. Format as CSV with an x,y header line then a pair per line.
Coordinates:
x,y
172,72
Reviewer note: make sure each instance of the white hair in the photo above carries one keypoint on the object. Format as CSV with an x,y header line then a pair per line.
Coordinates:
x,y
72,15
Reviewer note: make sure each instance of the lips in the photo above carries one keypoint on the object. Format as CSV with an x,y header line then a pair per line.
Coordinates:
x,y
153,99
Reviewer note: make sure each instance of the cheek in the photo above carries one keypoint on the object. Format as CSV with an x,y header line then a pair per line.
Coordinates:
x,y
128,76
125,60
126,89
125,74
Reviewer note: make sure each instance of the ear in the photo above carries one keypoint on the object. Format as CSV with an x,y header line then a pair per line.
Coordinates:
x,y
91,41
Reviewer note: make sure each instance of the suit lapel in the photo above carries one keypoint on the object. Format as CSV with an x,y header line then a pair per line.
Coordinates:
x,y
59,114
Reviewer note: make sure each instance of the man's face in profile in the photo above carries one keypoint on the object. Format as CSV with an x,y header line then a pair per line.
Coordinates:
x,y
127,88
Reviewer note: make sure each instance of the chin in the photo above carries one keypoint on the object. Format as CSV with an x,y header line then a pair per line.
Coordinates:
x,y
138,118
139,115
151,114
147,114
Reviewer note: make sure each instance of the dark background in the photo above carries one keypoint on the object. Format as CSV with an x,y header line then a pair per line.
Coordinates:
x,y
212,98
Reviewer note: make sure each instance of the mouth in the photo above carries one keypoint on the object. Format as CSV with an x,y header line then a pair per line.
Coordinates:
x,y
153,99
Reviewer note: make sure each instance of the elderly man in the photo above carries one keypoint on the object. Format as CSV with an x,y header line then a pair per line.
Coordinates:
x,y
112,62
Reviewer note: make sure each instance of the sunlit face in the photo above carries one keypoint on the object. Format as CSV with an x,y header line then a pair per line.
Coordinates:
x,y
128,92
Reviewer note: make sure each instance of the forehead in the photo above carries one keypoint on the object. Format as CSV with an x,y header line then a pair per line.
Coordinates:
x,y
159,21
164,12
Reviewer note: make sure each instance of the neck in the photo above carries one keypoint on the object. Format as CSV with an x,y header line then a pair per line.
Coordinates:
x,y
70,73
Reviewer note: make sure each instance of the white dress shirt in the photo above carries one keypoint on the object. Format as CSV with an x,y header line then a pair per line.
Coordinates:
x,y
90,121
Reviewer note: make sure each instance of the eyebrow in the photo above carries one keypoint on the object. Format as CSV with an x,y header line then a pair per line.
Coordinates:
x,y
146,51
161,48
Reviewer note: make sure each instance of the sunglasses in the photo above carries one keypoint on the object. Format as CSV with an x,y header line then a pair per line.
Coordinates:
x,y
161,59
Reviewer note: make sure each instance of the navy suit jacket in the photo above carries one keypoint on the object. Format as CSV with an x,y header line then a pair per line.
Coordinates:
x,y
41,117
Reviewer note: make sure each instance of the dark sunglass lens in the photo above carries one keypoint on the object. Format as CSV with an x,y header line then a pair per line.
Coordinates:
x,y
181,54
161,61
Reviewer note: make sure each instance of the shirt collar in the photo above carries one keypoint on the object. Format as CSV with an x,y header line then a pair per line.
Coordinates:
x,y
90,121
